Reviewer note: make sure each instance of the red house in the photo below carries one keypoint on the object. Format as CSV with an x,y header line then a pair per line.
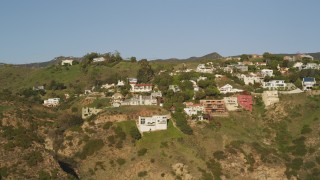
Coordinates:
x,y
245,101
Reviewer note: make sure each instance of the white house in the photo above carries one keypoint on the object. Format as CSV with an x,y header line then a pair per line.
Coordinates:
x,y
98,59
174,88
308,83
67,62
51,102
133,80
140,100
241,68
270,97
193,109
203,68
201,78
298,65
108,86
274,84
267,72
311,66
195,86
228,89
153,123
120,83
250,78
140,87
231,103
117,98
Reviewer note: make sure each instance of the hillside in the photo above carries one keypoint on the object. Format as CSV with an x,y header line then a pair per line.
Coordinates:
x,y
37,142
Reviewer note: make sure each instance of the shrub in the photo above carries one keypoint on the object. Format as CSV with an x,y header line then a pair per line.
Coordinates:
x,y
119,133
4,172
121,161
43,175
306,129
142,173
33,158
91,147
135,133
296,163
219,155
309,165
215,168
74,109
142,151
107,125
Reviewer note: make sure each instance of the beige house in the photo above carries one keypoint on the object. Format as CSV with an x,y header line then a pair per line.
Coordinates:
x,y
231,103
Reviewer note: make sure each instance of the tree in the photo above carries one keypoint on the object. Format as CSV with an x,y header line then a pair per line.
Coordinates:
x,y
200,95
244,57
133,59
145,73
211,91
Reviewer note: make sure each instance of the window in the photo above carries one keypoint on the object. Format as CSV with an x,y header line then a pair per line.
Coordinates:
x,y
142,121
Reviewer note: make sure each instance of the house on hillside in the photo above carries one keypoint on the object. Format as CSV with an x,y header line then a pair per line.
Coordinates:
x,y
270,97
108,86
250,78
213,106
203,68
140,88
38,88
174,88
245,101
120,83
311,66
308,83
302,56
267,72
288,58
261,64
274,85
98,59
139,100
67,62
117,97
298,65
228,89
194,85
87,112
231,103
201,78
133,80
153,123
242,68
51,102
193,109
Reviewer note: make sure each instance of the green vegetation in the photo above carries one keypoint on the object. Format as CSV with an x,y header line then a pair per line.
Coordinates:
x,y
90,148
121,161
142,151
182,123
33,158
142,173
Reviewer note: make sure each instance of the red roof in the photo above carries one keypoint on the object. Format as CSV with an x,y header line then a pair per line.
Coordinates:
x,y
245,101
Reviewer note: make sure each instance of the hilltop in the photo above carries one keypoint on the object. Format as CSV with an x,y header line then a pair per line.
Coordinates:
x,y
211,56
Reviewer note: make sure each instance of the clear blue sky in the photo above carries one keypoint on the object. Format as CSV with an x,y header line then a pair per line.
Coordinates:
x,y
38,30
